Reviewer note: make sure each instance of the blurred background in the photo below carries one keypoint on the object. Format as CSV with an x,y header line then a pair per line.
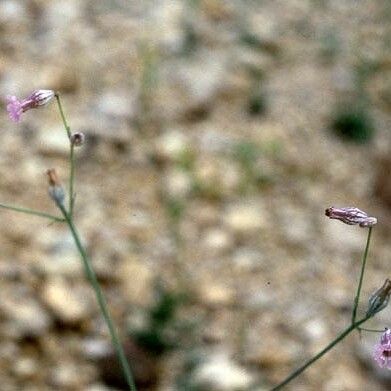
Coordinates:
x,y
217,132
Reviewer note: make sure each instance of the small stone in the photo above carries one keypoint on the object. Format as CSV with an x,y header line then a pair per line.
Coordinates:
x,y
171,146
220,373
53,142
95,348
137,280
69,303
27,318
70,376
61,256
25,368
215,295
245,218
217,241
116,104
247,258
177,184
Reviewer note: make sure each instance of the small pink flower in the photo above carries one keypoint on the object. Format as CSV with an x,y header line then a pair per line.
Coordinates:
x,y
15,106
382,352
351,215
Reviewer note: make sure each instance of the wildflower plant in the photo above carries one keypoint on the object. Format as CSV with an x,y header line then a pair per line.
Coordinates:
x,y
16,108
377,301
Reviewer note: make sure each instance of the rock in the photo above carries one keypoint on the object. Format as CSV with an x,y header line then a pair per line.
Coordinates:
x,y
62,257
247,258
216,241
197,85
137,280
245,217
53,142
117,104
215,295
220,373
270,352
172,146
95,348
25,368
70,376
169,25
70,304
216,177
177,184
25,316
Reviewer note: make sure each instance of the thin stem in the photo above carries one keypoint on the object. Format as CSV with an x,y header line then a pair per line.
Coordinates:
x,y
101,300
363,263
31,212
71,155
338,339
64,121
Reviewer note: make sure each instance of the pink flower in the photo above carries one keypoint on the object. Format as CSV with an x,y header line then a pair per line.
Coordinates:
x,y
16,107
350,215
382,353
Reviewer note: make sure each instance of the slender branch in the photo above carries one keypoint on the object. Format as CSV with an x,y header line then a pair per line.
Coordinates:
x,y
338,339
71,155
363,263
31,212
100,298
64,121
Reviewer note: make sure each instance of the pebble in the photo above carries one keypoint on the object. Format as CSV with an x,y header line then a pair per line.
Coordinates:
x,y
70,304
177,184
216,241
137,280
245,217
171,146
26,316
220,373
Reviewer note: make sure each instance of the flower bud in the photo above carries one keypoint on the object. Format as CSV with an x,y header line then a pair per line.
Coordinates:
x,y
56,191
379,300
77,139
41,97
351,216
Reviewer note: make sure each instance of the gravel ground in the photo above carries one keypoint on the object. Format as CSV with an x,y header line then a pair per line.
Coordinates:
x,y
201,188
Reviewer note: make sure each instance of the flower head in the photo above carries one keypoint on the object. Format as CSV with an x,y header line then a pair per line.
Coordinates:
x,y
351,215
382,352
16,107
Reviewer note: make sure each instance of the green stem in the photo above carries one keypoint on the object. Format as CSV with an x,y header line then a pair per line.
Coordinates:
x,y
71,155
64,121
31,212
340,337
363,263
101,300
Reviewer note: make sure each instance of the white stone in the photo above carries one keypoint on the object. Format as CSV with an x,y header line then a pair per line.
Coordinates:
x,y
220,373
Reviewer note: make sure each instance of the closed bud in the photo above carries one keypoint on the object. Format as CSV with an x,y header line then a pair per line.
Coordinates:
x,y
379,300
351,215
56,191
